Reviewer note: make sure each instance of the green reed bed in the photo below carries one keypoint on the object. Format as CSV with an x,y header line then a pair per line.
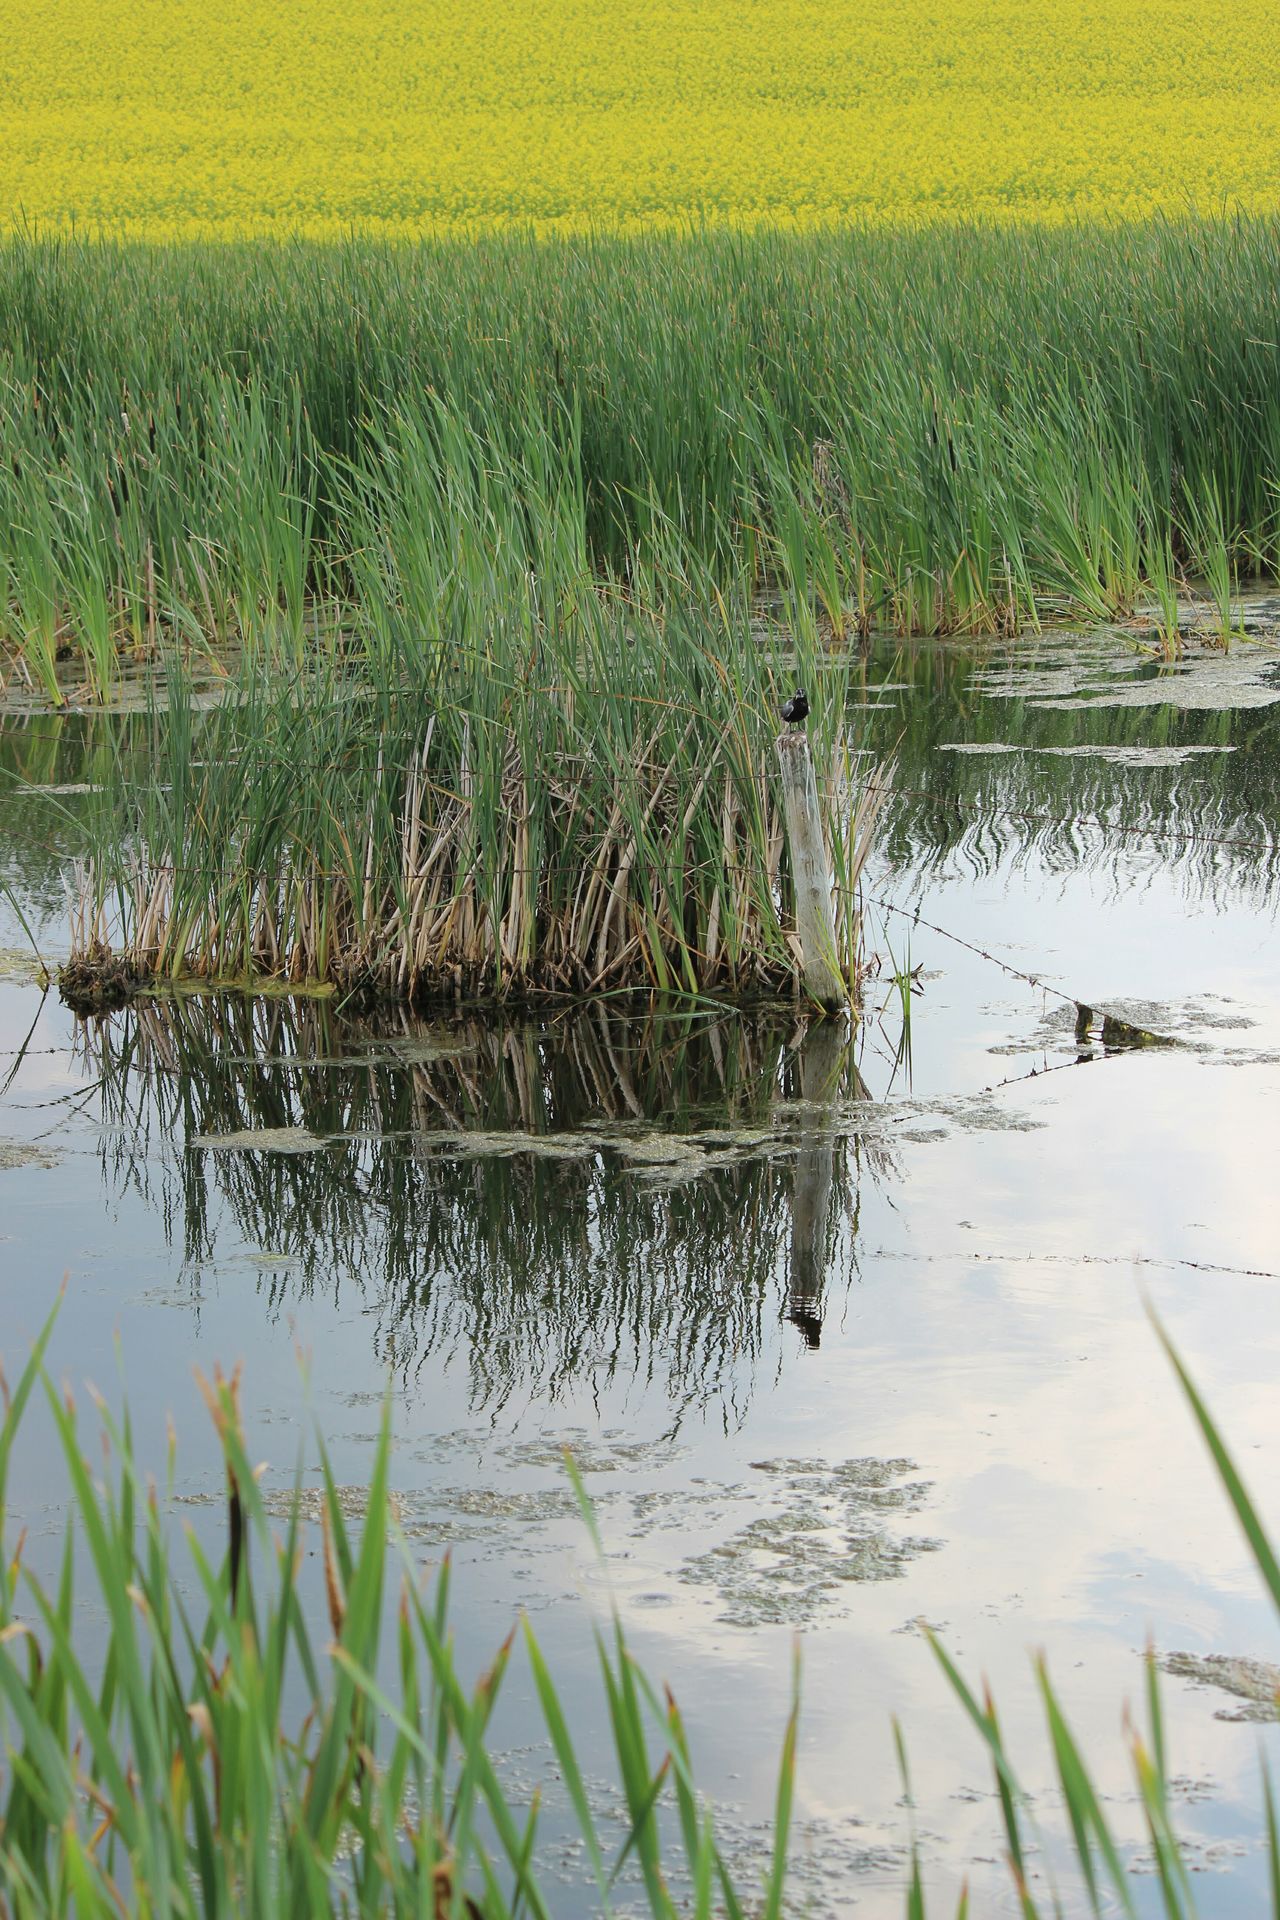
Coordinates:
x,y
933,430
246,1738
513,776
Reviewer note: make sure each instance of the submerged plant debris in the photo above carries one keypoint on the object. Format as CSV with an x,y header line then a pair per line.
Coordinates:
x,y
19,967
1065,1029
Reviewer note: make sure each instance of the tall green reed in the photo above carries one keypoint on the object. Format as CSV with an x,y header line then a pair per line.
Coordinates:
x,y
934,430
1103,1865
222,1754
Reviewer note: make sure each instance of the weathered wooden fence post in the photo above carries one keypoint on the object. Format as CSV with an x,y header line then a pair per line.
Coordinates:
x,y
815,916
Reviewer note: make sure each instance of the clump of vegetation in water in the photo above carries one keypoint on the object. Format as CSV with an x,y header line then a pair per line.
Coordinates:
x,y
517,780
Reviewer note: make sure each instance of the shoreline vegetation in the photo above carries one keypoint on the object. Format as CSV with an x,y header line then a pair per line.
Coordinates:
x,y
956,429
470,578
216,1755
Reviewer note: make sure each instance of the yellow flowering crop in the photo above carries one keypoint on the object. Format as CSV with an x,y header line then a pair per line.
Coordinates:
x,y
175,117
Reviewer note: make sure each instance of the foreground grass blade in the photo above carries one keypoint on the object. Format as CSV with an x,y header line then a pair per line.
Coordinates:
x,y
1263,1552
570,1772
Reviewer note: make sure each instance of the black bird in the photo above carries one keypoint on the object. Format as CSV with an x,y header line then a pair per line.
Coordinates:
x,y
796,709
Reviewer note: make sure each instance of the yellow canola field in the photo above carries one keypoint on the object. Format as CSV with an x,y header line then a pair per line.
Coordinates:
x,y
186,117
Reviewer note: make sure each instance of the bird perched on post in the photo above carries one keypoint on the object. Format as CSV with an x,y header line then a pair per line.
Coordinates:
x,y
796,709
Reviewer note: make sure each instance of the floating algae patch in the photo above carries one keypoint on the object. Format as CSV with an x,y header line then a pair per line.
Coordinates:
x,y
289,1062
652,1154
19,967
20,1153
822,1857
1256,615
261,1140
792,1540
668,1151
656,1157
1134,756
670,1159
528,1505
1057,1031
1195,1853
610,1452
413,1050
486,1516
1115,756
613,1451
983,747
827,1528
1204,679
707,1503
1187,1024
1253,1682
225,986
65,789
1067,1029
970,1113
280,1503
438,1517
1208,1013
480,1144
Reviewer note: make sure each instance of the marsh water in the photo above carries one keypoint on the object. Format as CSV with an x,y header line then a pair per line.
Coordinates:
x,y
847,1332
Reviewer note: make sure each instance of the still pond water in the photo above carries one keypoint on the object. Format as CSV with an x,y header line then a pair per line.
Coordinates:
x,y
844,1338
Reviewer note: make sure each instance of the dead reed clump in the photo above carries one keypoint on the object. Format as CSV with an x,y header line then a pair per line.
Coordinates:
x,y
96,980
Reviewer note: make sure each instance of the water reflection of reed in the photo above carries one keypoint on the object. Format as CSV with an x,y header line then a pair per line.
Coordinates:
x,y
50,768
541,1271
1045,796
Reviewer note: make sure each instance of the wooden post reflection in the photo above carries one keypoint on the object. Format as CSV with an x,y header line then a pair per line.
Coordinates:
x,y
822,1057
